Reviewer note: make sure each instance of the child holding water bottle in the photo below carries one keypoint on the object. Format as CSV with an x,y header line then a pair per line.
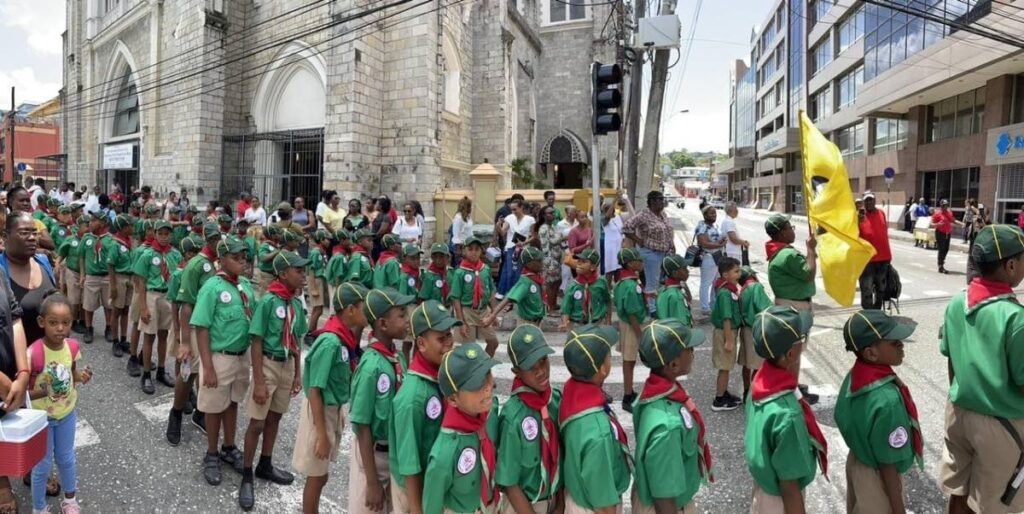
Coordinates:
x,y
54,379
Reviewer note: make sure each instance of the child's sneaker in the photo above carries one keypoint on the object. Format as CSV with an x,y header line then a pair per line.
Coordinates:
x,y
44,510
724,403
70,506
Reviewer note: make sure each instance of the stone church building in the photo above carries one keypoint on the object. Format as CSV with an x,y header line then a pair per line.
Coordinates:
x,y
286,98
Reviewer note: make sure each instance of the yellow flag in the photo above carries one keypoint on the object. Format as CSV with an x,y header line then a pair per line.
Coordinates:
x,y
829,200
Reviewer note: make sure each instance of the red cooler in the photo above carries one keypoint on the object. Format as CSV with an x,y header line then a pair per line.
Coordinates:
x,y
22,441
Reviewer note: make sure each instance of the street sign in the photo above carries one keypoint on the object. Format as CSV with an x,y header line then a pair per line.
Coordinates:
x,y
889,173
21,167
888,180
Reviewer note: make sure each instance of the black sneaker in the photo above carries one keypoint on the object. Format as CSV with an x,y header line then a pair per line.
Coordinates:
x,y
807,394
627,402
125,347
211,469
275,475
108,335
734,397
164,378
199,420
134,367
246,495
87,336
174,427
76,326
116,349
724,403
147,384
232,456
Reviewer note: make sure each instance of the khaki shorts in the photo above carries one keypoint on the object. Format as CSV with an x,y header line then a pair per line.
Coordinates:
x,y
721,359
979,459
304,458
279,377
541,507
473,319
357,480
73,289
123,291
160,313
865,493
133,312
232,382
571,507
317,301
747,357
629,344
764,503
642,508
96,293
800,306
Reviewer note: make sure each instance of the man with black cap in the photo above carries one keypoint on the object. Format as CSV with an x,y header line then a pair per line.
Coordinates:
x,y
874,228
653,235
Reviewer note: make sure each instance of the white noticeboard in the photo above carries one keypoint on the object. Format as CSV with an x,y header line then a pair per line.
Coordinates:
x,y
118,157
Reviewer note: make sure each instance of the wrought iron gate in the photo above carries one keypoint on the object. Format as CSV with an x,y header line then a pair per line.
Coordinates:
x,y
274,166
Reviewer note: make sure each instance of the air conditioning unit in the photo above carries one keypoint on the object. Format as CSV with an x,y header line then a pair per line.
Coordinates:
x,y
659,32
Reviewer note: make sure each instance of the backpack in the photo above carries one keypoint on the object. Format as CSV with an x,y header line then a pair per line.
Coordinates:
x,y
892,290
37,354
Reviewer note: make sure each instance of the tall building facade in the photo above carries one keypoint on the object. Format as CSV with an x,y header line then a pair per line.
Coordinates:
x,y
916,92
287,98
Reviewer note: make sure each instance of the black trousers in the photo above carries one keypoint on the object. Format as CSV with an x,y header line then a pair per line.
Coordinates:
x,y
942,240
872,284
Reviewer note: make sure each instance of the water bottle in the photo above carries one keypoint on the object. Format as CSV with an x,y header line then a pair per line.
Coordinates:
x,y
186,370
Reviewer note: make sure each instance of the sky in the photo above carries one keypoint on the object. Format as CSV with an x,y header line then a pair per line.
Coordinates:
x,y
30,34
722,35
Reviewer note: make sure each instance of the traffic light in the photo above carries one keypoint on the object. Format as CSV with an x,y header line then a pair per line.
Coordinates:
x,y
605,82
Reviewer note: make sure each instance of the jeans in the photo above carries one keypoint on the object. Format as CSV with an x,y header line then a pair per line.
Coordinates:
x,y
60,446
872,284
708,274
652,273
942,240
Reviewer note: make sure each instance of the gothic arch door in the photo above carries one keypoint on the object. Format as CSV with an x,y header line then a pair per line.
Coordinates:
x,y
564,159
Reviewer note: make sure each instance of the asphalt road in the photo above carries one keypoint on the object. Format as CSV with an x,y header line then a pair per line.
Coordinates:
x,y
125,465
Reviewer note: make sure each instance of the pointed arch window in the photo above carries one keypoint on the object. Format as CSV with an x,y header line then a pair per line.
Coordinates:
x,y
452,69
126,110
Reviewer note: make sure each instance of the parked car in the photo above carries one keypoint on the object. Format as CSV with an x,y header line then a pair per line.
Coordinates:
x,y
716,202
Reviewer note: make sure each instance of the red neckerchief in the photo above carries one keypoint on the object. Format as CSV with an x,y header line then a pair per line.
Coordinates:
x,y
422,367
336,327
580,397
751,280
772,380
208,253
280,290
245,298
981,289
197,229
733,288
671,282
148,241
391,354
338,249
361,250
386,256
412,271
97,246
586,281
539,280
125,241
865,374
549,447
162,249
626,274
478,284
773,247
658,386
443,273
455,419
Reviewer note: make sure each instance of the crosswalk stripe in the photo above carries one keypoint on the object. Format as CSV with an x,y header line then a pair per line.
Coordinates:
x,y
155,410
85,435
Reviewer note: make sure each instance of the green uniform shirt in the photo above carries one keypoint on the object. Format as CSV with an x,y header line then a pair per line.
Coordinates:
x,y
671,303
629,300
432,285
317,263
462,284
984,347
139,232
788,275
666,457
268,323
777,444
336,269
519,448
529,299
753,300
572,304
196,273
454,471
727,307
417,411
38,214
250,244
388,274
595,471
70,251
359,270
120,258
174,284
373,389
266,248
59,233
220,310
327,369
96,265
875,424
48,222
148,267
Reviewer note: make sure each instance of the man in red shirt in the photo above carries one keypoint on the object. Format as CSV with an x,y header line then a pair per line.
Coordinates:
x,y
874,229
242,205
943,221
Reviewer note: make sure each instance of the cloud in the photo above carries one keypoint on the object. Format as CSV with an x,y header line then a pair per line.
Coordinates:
x,y
42,21
29,87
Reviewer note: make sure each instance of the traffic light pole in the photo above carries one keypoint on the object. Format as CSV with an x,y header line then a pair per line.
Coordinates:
x,y
595,175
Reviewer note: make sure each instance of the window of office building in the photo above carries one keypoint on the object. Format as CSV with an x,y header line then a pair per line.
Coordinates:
x,y
797,49
563,11
851,29
1017,103
954,185
820,104
821,55
956,116
850,141
890,134
848,85
819,9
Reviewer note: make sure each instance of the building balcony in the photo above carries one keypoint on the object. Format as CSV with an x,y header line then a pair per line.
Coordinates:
x,y
779,143
733,164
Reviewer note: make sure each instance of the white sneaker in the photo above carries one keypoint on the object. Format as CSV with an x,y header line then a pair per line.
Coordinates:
x,y
70,506
44,510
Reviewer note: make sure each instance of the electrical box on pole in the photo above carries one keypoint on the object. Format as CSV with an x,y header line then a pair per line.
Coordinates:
x,y
607,99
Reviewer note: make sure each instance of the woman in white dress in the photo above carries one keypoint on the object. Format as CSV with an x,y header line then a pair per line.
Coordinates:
x,y
408,228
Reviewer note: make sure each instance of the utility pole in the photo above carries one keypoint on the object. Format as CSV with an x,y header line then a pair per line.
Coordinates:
x,y
14,118
652,125
631,146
